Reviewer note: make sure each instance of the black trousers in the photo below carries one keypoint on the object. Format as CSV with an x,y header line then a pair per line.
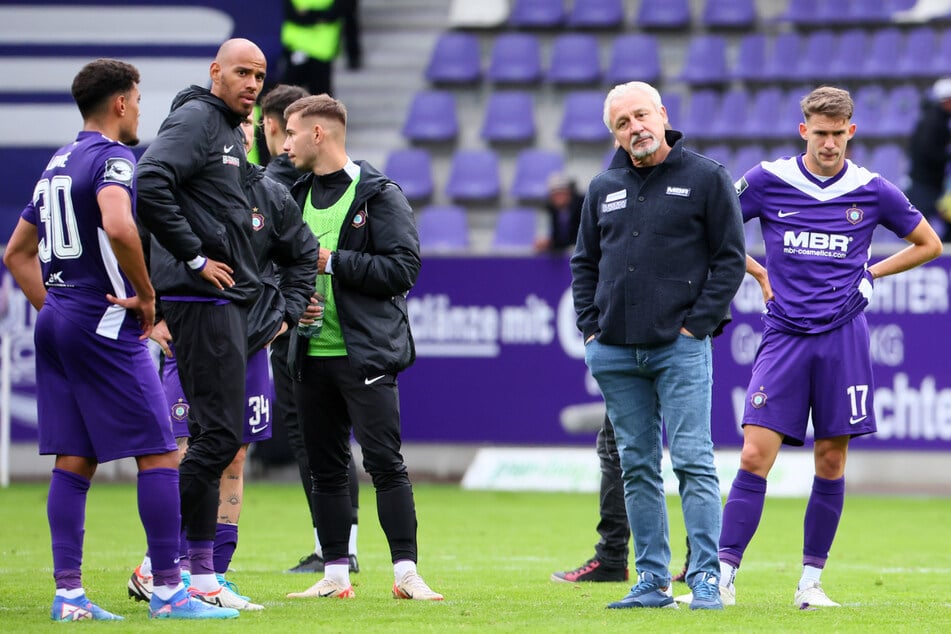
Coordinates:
x,y
613,527
285,410
332,400
211,346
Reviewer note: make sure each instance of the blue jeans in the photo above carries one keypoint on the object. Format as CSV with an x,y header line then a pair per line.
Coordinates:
x,y
640,385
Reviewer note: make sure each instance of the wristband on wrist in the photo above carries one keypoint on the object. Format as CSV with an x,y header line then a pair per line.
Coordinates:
x,y
198,263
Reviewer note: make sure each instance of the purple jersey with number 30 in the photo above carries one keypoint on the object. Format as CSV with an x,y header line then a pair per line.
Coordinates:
x,y
78,263
818,234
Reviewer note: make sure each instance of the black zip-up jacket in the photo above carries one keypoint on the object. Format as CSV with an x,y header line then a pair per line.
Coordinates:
x,y
375,265
928,145
286,251
658,253
283,171
191,198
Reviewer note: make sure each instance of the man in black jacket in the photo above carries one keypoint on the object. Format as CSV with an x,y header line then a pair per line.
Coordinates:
x,y
346,376
928,152
191,197
660,255
282,170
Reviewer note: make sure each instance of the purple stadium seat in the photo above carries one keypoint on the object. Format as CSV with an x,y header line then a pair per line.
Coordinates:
x,y
764,112
412,169
942,60
746,157
443,228
832,13
673,106
782,58
901,112
884,54
917,61
575,59
721,153
456,59
663,14
515,228
596,14
802,13
729,119
857,153
509,117
533,166
891,161
786,115
750,63
432,117
473,176
537,14
582,118
815,57
515,59
870,103
705,62
869,12
848,60
787,150
697,122
634,56
729,14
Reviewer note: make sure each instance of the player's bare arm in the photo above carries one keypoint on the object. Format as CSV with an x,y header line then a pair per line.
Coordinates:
x,y
758,271
118,223
21,258
925,246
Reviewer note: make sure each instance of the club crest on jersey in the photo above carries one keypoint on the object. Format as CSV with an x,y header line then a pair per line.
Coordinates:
x,y
854,215
758,399
180,411
257,220
359,219
118,170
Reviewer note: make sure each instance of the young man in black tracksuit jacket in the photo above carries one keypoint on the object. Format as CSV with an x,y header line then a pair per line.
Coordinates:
x,y
282,170
347,374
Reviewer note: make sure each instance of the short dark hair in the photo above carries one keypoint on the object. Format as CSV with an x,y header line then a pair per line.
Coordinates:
x,y
100,80
318,106
279,98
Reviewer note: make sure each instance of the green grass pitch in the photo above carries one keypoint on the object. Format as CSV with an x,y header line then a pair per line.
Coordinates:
x,y
491,555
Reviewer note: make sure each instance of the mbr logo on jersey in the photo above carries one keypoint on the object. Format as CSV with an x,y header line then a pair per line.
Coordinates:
x,y
828,245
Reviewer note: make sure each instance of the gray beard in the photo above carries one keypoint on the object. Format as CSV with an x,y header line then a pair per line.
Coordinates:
x,y
639,154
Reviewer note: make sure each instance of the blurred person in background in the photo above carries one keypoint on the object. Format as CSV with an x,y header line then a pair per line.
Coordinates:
x,y
928,149
563,207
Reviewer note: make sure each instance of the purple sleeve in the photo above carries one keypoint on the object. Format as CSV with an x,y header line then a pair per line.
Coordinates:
x,y
115,165
29,214
898,215
749,190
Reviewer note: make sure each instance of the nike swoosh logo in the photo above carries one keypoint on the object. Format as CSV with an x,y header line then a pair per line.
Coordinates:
x,y
853,421
255,430
228,148
784,214
373,380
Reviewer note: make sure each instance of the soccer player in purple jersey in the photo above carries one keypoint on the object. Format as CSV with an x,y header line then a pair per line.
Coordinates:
x,y
817,212
77,256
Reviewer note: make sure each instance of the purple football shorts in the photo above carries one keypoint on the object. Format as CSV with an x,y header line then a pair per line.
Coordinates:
x,y
259,392
96,397
829,373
